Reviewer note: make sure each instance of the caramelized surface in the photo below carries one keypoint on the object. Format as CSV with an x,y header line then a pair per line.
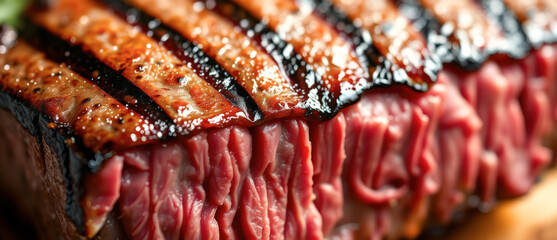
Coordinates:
x,y
70,100
181,93
470,25
319,45
253,68
457,31
219,63
392,34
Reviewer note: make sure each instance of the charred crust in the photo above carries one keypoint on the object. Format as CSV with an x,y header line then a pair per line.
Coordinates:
x,y
299,72
191,55
88,67
382,71
72,154
327,103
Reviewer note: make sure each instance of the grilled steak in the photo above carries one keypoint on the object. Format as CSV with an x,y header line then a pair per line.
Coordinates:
x,y
292,119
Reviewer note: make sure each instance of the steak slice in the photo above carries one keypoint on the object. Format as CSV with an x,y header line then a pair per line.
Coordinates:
x,y
284,120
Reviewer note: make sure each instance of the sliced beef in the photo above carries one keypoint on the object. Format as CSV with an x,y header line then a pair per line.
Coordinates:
x,y
504,132
328,164
214,185
271,204
261,128
390,157
104,188
506,93
460,148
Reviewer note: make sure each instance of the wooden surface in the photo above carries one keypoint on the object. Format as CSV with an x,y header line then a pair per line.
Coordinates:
x,y
533,216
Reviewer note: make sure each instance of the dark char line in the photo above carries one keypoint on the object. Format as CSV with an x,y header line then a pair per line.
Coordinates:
x,y
382,71
319,98
517,43
106,78
203,65
438,39
319,101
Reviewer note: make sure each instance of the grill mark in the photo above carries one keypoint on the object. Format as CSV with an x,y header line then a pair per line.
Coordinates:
x,y
319,100
191,54
98,73
360,39
516,40
193,104
340,72
381,63
72,101
442,38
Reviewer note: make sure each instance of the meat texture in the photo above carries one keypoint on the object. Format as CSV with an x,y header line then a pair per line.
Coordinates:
x,y
212,186
282,119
